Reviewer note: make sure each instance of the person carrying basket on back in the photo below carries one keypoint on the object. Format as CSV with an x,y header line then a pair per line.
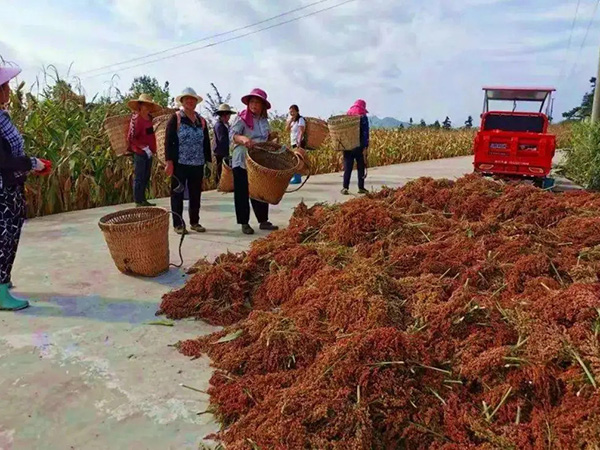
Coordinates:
x,y
296,126
250,126
221,131
187,155
360,153
142,143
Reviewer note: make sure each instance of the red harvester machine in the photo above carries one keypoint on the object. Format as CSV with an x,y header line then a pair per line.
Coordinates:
x,y
516,145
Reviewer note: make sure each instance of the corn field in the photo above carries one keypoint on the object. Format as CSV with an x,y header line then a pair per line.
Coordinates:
x,y
59,125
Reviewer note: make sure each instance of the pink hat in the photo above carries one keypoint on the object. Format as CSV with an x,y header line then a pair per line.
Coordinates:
x,y
259,93
361,104
8,73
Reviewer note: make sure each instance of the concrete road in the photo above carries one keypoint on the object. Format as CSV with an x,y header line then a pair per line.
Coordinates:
x,y
82,369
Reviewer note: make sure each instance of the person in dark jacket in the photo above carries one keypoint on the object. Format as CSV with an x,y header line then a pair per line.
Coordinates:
x,y
187,154
360,153
142,143
221,131
14,166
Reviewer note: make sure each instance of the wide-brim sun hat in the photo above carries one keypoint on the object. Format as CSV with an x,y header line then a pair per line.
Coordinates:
x,y
258,93
134,104
188,92
224,108
8,73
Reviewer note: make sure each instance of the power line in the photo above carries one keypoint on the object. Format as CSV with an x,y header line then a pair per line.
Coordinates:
x,y
564,63
222,41
208,38
587,32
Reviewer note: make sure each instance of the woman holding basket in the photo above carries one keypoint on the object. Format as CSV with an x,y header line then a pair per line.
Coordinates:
x,y
250,127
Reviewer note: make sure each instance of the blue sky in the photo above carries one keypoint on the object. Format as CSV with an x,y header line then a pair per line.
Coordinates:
x,y
421,59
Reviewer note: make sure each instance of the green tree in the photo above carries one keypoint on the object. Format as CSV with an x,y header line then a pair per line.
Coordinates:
x,y
423,123
411,122
447,123
149,85
436,124
212,102
585,109
469,122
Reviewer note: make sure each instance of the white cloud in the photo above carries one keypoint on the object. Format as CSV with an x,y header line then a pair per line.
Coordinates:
x,y
422,59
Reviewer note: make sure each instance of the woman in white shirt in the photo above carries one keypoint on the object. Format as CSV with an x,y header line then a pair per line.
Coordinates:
x,y
296,125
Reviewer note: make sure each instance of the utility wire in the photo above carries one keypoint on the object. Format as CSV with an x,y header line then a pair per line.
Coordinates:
x,y
587,32
565,59
207,38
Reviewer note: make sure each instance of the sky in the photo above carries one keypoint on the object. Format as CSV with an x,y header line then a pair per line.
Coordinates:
x,y
424,59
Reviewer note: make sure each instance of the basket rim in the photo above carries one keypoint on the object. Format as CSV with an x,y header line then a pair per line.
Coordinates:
x,y
107,226
273,171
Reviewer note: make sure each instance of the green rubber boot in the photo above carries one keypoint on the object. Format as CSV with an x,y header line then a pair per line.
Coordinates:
x,y
8,302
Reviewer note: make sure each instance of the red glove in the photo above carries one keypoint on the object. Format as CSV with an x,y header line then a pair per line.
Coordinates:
x,y
47,168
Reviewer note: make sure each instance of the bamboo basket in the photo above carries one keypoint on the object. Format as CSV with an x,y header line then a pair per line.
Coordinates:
x,y
316,132
160,132
344,132
138,240
226,180
303,165
270,169
117,128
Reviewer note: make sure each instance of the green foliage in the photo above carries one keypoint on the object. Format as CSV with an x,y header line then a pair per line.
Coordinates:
x,y
447,123
469,122
582,163
148,85
585,109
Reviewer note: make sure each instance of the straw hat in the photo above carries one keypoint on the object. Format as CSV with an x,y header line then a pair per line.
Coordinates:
x,y
224,108
189,92
259,93
8,73
134,104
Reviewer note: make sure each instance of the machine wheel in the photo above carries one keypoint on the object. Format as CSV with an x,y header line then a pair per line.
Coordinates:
x,y
544,183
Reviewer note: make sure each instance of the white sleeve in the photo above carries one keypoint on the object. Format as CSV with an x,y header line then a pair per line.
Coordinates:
x,y
302,122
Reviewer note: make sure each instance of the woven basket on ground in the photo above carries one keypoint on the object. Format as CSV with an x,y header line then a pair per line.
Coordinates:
x,y
138,240
270,169
316,132
344,132
226,180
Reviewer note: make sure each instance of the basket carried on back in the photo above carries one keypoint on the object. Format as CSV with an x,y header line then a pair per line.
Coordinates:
x,y
117,128
138,240
160,132
270,168
316,132
226,180
344,132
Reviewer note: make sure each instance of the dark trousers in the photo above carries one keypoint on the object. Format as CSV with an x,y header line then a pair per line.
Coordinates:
x,y
349,158
142,166
12,217
191,177
219,167
241,196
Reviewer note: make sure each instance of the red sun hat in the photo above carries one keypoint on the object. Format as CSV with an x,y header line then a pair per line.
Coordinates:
x,y
259,93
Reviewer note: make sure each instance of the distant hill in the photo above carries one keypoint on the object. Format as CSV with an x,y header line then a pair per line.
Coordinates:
x,y
386,122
